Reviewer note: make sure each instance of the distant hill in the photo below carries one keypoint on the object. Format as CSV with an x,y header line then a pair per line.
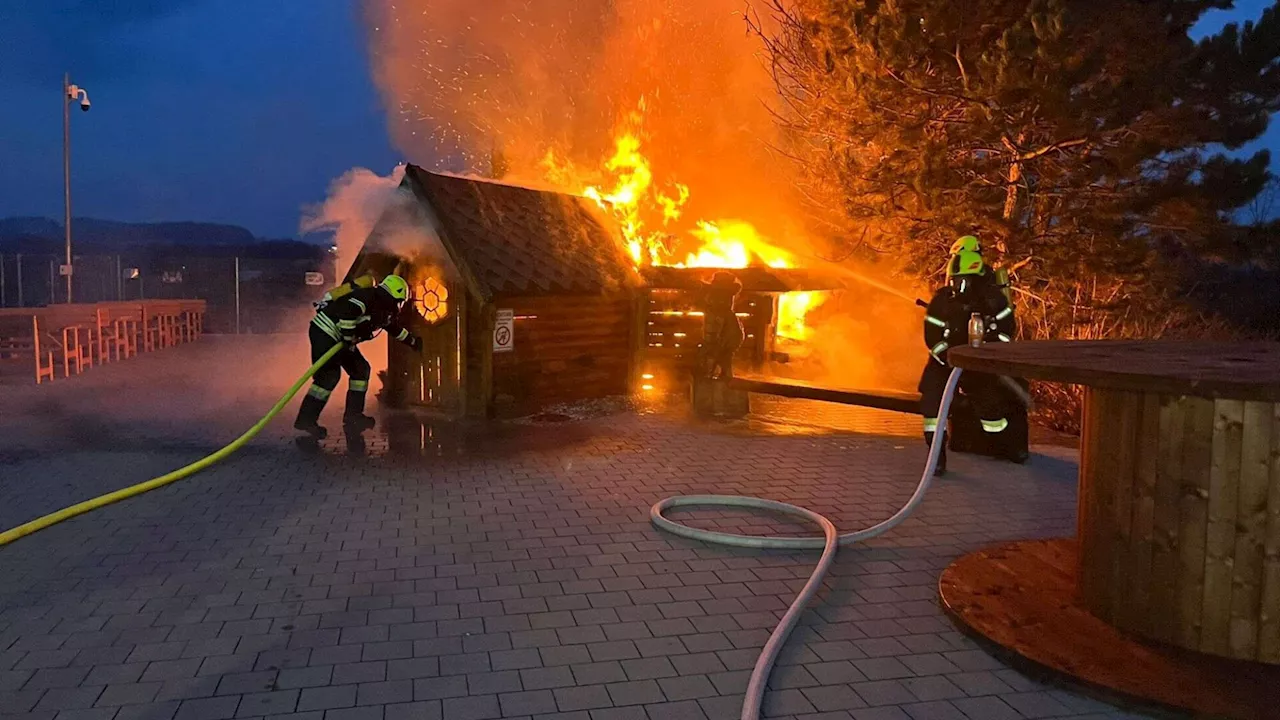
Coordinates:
x,y
110,232
43,235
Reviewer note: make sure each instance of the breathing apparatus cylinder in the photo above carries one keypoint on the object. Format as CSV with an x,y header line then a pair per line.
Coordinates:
x,y
1002,280
364,281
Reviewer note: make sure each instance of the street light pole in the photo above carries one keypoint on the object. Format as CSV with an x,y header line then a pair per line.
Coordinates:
x,y
69,92
66,171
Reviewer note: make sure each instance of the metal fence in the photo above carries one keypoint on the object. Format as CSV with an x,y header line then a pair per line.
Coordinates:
x,y
244,294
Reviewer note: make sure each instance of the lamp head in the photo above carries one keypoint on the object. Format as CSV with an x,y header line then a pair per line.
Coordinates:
x,y
75,91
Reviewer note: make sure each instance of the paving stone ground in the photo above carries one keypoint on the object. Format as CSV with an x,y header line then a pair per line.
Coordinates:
x,y
477,573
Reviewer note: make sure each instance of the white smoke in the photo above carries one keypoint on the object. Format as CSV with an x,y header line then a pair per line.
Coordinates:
x,y
356,201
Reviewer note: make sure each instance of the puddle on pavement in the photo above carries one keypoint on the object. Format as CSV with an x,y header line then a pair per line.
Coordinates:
x,y
413,434
421,435
780,416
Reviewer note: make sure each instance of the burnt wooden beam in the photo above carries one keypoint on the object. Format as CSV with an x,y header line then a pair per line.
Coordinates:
x,y
891,400
753,279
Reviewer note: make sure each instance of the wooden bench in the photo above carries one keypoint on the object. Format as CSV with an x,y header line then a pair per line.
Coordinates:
x,y
732,397
118,324
72,331
159,327
894,401
20,344
191,317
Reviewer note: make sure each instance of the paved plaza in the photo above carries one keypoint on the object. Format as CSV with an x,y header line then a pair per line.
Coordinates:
x,y
505,571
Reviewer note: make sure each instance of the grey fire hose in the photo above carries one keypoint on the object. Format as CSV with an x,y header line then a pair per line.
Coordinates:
x,y
751,704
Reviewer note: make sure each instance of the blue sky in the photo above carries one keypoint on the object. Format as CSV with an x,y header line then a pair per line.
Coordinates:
x,y
234,111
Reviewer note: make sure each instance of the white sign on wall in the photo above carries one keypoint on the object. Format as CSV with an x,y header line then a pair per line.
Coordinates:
x,y
315,278
504,331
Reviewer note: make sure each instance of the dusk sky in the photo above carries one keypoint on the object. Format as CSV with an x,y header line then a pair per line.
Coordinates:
x,y
232,111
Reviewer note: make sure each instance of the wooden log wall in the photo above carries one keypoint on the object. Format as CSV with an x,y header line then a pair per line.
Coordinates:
x,y
674,329
565,348
1179,522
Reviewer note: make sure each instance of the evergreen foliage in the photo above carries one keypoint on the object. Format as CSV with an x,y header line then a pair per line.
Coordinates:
x,y
1081,140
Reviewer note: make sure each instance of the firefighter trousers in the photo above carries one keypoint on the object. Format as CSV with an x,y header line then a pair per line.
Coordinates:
x,y
326,378
989,399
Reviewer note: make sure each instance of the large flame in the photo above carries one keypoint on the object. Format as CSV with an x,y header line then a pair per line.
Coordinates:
x,y
648,218
733,244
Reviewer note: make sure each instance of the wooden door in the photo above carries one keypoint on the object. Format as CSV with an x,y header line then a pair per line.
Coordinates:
x,y
435,376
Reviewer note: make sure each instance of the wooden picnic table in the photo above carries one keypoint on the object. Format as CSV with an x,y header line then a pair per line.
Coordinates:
x,y
1178,529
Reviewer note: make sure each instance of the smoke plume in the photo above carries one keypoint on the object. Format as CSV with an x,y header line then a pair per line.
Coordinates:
x,y
356,202
544,88
462,79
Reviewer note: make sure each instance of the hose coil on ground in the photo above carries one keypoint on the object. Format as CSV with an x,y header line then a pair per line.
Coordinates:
x,y
828,543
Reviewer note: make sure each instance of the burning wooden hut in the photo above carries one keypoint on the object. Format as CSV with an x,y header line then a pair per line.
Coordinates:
x,y
530,298
528,301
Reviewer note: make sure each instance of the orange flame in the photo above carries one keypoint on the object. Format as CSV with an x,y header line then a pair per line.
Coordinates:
x,y
632,200
733,244
793,307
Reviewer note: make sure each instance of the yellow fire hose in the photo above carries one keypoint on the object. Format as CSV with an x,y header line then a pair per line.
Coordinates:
x,y
67,513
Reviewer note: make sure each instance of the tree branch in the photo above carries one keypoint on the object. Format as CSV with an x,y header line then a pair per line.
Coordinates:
x,y
964,74
1063,145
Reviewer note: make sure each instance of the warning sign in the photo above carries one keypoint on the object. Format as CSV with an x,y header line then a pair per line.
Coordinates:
x,y
504,331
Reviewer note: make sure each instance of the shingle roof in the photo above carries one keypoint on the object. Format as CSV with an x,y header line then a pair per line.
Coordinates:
x,y
516,240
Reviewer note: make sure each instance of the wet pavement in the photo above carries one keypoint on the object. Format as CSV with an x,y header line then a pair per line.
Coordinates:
x,y
464,572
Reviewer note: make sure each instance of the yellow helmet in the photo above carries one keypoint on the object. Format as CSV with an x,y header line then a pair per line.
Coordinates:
x,y
396,287
968,243
965,262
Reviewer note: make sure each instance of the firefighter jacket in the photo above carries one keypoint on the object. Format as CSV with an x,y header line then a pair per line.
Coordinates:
x,y
946,321
359,315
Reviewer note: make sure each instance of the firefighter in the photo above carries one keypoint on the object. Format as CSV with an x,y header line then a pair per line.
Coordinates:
x,y
971,288
351,318
722,331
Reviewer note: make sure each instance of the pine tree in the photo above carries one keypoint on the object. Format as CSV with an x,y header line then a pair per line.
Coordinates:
x,y
1076,138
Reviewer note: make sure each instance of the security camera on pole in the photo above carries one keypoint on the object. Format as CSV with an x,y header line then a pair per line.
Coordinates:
x,y
69,93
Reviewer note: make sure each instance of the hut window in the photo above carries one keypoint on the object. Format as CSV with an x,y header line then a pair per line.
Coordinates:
x,y
431,297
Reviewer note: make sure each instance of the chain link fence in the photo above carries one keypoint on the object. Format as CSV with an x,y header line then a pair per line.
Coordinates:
x,y
244,294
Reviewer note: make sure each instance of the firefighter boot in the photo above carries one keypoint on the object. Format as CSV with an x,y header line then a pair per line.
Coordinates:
x,y
1013,442
354,419
941,469
309,417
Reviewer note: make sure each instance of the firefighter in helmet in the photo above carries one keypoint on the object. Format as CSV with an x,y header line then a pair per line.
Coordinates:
x,y
971,288
722,330
351,314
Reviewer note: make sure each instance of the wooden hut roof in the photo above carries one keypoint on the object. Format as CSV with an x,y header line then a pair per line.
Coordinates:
x,y
518,241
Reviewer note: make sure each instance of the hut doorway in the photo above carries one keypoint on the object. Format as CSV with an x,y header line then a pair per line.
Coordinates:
x,y
440,310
